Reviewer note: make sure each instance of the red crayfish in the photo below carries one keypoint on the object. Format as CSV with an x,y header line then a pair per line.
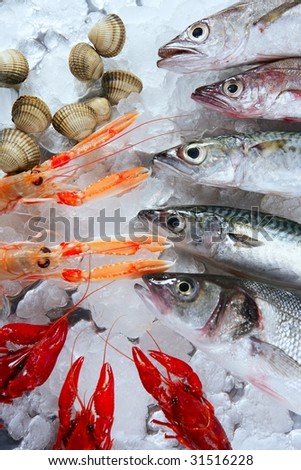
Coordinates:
x,y
190,416
86,431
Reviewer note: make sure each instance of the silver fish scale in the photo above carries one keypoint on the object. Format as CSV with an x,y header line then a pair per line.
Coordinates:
x,y
278,227
284,300
283,320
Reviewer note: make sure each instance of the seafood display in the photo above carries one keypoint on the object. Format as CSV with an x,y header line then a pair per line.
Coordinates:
x,y
250,243
264,162
244,33
271,91
83,205
250,328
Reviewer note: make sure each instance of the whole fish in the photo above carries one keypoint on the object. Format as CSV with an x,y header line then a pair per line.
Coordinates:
x,y
245,33
271,91
252,329
246,242
263,162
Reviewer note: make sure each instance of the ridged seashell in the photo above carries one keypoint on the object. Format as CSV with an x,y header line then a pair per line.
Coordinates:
x,y
18,151
118,84
14,67
75,121
31,114
102,107
84,62
108,35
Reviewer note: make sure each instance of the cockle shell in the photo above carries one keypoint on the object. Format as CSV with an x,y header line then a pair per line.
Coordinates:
x,y
102,107
18,151
31,114
14,67
75,121
118,84
84,62
108,35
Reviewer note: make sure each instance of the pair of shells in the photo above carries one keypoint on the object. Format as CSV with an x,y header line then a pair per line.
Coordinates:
x,y
18,151
108,37
14,67
30,114
78,120
84,62
118,84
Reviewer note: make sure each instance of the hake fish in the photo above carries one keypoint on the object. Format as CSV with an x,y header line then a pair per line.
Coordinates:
x,y
271,91
251,329
247,243
245,33
263,162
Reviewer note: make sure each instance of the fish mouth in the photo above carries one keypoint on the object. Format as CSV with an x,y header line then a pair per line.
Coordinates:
x,y
168,51
178,58
206,95
155,303
177,165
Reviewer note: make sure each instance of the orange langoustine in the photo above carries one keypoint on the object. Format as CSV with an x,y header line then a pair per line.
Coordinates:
x,y
38,185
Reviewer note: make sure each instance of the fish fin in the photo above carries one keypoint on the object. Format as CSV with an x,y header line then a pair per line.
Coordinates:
x,y
277,359
245,240
269,147
296,94
266,20
279,375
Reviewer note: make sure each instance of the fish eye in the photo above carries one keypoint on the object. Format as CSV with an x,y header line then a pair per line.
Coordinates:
x,y
44,262
198,32
194,153
233,87
186,287
176,223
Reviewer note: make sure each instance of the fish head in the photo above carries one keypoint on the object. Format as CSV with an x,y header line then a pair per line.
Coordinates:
x,y
216,307
184,300
203,161
196,229
250,94
208,44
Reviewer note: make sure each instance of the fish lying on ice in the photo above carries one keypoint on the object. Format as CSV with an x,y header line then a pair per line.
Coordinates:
x,y
271,91
263,162
246,242
252,329
245,33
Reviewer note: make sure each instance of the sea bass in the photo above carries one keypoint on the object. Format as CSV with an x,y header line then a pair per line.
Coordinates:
x,y
252,329
263,162
245,33
271,91
248,243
